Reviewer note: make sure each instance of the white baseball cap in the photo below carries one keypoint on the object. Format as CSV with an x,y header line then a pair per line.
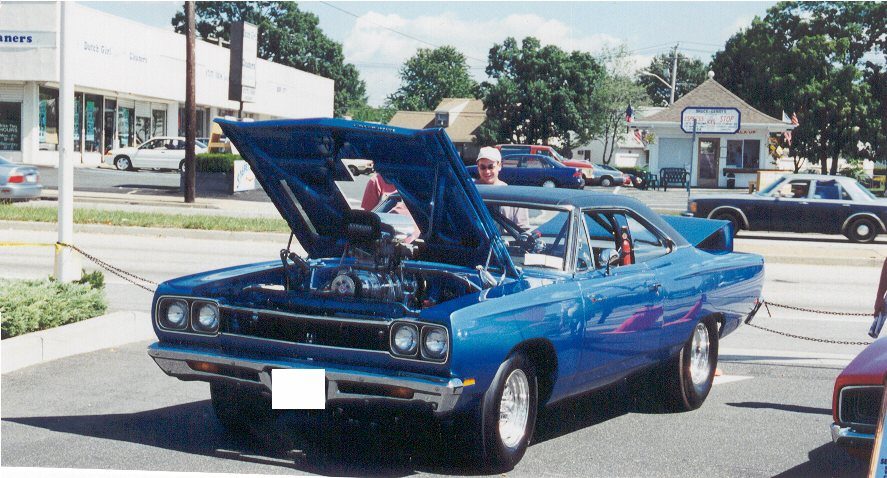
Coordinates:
x,y
491,153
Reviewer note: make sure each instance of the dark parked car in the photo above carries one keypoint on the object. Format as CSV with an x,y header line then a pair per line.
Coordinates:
x,y
584,166
801,203
18,181
536,170
477,322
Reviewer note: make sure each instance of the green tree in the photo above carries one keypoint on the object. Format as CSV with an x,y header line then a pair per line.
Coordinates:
x,y
540,94
372,114
287,36
808,57
430,76
691,73
613,95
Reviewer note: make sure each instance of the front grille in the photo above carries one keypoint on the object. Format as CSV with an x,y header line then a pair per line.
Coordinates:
x,y
860,405
301,329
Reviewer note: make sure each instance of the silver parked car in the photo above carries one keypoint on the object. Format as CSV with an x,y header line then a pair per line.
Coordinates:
x,y
161,152
18,181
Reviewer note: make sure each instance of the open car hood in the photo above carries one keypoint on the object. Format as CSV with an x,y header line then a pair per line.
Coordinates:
x,y
297,162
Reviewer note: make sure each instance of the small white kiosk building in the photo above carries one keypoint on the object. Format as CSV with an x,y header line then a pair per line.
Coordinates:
x,y
718,159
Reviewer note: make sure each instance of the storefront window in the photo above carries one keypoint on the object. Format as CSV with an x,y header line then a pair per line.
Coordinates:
x,y
10,126
159,123
744,154
92,119
110,114
125,127
143,129
200,119
49,119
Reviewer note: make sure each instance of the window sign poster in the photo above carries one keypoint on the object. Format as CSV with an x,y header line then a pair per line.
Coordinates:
x,y
42,121
90,121
78,114
123,127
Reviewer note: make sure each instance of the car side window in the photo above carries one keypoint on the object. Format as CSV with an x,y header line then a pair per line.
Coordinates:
x,y
509,162
796,189
829,190
645,243
584,254
605,230
534,163
150,144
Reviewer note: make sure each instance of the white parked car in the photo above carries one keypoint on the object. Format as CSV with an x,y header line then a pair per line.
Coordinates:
x,y
358,166
161,152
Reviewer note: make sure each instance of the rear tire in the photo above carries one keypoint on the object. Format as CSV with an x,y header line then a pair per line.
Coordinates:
x,y
548,184
732,218
689,375
606,181
862,230
354,171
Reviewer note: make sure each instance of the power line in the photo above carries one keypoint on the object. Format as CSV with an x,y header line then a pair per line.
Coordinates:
x,y
394,31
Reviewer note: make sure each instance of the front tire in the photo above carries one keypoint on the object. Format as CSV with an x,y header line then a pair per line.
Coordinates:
x,y
691,373
606,182
182,166
732,218
508,413
862,230
123,163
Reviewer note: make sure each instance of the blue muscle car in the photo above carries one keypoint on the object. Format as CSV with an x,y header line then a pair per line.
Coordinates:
x,y
479,321
536,170
801,203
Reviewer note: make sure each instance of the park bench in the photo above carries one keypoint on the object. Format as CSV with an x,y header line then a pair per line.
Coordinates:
x,y
678,176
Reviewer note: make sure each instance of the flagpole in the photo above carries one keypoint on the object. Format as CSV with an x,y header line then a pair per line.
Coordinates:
x,y
690,179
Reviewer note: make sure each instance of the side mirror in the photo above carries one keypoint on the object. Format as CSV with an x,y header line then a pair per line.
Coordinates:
x,y
608,257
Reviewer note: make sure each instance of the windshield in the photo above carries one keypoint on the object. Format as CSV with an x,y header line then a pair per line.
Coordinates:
x,y
772,187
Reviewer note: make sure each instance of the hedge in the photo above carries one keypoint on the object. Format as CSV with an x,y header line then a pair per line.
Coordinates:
x,y
216,162
32,305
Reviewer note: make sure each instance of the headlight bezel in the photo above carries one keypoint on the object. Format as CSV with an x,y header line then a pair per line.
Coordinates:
x,y
396,351
196,325
191,308
423,329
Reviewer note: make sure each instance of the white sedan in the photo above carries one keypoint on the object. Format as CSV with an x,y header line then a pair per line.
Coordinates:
x,y
161,152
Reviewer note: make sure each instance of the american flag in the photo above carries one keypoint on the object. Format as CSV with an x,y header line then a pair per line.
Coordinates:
x,y
788,134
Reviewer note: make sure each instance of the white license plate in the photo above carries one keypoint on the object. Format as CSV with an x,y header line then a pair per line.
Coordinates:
x,y
31,178
294,389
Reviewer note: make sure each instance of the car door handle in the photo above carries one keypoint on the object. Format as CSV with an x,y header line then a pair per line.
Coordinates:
x,y
803,202
655,287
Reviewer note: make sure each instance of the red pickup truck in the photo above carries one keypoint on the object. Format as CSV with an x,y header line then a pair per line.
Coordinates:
x,y
585,167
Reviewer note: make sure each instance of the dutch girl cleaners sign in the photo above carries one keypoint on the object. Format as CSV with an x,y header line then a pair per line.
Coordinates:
x,y
710,120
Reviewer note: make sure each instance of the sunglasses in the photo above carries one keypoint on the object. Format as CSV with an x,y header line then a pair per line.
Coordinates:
x,y
488,166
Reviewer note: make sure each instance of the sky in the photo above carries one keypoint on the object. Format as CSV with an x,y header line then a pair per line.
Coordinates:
x,y
377,37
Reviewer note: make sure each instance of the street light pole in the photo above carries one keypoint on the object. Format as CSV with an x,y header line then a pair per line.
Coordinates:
x,y
190,109
674,73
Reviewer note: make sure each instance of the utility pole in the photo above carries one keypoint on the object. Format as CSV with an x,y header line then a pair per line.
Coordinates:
x,y
190,108
67,264
674,73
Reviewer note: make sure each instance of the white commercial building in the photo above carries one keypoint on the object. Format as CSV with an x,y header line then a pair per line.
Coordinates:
x,y
129,83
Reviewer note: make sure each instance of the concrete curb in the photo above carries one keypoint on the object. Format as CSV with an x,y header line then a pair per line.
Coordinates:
x,y
111,330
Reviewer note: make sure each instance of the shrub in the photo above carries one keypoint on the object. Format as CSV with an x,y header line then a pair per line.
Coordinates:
x,y
95,279
216,162
637,171
31,305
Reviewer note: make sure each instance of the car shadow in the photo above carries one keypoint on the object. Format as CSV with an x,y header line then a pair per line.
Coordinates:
x,y
830,240
828,460
783,407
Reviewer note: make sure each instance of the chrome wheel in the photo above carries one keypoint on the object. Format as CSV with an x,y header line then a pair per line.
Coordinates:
x,y
548,184
514,409
123,163
863,229
700,366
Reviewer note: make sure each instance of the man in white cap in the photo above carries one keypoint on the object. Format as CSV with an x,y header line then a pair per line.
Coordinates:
x,y
489,163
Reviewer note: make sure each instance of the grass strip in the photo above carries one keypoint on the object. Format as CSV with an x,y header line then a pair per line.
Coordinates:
x,y
10,212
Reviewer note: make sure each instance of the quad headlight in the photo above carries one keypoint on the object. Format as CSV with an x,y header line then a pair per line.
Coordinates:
x,y
206,318
173,314
177,313
405,339
421,341
435,343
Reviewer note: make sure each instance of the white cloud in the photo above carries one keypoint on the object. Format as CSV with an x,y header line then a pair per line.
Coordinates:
x,y
379,52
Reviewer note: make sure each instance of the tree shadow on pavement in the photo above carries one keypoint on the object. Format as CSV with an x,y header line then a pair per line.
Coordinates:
x,y
783,407
828,460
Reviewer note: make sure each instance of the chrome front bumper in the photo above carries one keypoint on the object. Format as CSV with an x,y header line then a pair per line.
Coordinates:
x,y
849,437
439,394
